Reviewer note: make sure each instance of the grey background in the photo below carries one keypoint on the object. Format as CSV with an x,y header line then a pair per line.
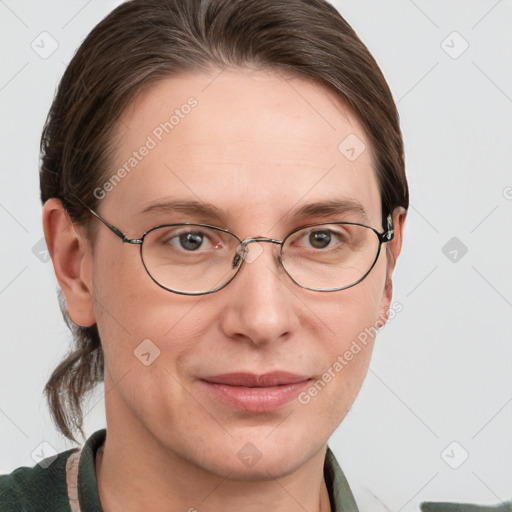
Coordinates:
x,y
441,371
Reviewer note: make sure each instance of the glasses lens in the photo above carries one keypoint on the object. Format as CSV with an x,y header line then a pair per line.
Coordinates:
x,y
330,256
190,258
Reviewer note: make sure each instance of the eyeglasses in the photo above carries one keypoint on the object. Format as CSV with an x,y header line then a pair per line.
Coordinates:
x,y
197,259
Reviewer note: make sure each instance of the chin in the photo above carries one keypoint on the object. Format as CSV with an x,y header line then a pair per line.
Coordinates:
x,y
265,469
269,456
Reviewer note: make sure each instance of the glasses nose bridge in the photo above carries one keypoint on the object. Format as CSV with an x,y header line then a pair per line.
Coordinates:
x,y
252,239
241,251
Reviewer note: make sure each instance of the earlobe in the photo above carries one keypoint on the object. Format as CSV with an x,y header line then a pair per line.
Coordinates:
x,y
393,250
71,262
399,216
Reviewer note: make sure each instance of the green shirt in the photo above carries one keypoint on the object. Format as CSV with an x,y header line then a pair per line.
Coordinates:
x,y
53,488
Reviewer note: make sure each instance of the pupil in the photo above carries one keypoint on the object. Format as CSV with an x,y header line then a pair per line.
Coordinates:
x,y
320,239
191,241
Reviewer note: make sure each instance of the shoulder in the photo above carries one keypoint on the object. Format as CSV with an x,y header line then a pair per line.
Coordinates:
x,y
38,488
55,484
464,507
342,498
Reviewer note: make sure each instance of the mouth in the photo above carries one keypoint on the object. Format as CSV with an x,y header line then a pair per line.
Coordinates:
x,y
255,393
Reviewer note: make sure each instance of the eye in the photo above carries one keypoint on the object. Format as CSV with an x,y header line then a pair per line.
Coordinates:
x,y
322,238
189,240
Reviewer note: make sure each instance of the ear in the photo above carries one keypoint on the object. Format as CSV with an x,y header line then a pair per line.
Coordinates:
x,y
71,260
393,250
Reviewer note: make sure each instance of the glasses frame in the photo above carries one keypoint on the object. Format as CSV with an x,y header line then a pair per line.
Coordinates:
x,y
386,236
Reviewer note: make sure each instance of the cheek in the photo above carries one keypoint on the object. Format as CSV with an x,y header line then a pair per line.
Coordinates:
x,y
352,320
348,313
140,323
345,363
146,335
129,306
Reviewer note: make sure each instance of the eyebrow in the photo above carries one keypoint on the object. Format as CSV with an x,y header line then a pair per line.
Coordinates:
x,y
199,209
332,208
208,212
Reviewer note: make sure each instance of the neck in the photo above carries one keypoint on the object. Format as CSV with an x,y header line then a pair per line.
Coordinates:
x,y
130,479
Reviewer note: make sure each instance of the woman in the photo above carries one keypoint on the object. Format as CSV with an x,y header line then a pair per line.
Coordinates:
x,y
252,152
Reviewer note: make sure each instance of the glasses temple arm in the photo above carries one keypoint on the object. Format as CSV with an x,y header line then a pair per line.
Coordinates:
x,y
114,230
389,233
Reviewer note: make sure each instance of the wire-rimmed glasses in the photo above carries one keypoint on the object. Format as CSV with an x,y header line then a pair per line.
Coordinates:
x,y
197,259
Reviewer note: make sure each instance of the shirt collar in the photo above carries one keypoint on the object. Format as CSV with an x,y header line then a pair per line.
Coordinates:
x,y
342,499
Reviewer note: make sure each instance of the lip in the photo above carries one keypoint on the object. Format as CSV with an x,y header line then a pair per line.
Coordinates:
x,y
253,380
255,393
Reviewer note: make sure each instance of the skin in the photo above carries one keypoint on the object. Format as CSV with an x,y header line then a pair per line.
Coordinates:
x,y
258,145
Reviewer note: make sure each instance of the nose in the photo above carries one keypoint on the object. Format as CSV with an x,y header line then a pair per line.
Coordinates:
x,y
259,304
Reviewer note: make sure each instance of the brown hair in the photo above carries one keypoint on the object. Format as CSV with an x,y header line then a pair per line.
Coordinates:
x,y
143,41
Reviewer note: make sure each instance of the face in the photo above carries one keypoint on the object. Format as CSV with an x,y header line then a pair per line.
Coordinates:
x,y
257,146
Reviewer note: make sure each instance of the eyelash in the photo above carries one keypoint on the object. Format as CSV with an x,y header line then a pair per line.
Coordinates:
x,y
342,237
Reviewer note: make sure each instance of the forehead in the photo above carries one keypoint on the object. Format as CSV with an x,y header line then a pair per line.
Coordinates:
x,y
242,140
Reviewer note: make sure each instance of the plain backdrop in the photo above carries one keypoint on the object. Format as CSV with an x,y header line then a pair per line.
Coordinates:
x,y
433,420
